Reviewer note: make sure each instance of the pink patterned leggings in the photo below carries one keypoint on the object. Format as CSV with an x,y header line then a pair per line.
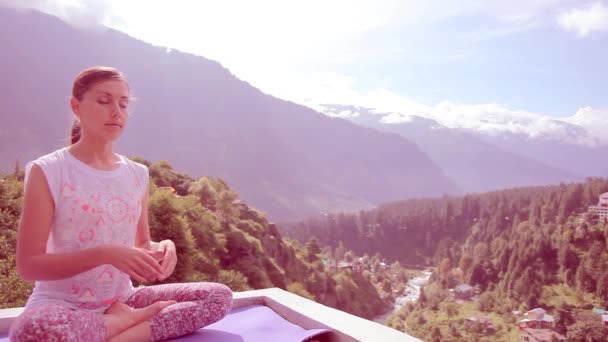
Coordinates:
x,y
199,304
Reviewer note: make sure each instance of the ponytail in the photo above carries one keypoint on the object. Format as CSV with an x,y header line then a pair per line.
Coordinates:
x,y
75,132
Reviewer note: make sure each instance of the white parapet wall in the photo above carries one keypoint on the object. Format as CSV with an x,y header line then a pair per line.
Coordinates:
x,y
297,310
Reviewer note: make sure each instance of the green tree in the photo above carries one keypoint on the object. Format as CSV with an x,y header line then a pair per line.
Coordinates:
x,y
564,318
204,190
436,335
300,290
313,249
486,302
465,264
166,222
451,309
588,328
387,286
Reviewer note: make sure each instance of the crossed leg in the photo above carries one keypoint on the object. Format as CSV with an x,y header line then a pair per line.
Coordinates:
x,y
198,305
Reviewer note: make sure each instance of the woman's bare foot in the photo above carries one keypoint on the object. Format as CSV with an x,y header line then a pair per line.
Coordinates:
x,y
118,308
120,317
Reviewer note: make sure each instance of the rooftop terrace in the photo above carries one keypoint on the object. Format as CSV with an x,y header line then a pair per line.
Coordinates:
x,y
274,314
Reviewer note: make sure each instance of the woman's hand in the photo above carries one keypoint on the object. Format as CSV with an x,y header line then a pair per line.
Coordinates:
x,y
140,264
169,258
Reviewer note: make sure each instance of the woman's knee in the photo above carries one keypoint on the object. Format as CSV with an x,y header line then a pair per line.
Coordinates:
x,y
56,323
37,324
222,295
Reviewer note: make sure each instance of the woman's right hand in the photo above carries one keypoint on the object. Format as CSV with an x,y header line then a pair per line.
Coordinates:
x,y
140,264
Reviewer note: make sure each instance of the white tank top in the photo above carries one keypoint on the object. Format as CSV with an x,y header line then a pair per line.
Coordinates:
x,y
92,208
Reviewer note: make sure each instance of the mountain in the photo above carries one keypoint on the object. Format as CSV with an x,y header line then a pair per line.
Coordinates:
x,y
581,159
283,158
475,164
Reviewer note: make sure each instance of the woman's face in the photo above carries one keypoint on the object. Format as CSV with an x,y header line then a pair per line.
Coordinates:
x,y
103,110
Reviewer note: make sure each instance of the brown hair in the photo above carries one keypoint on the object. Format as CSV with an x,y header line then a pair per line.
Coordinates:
x,y
83,83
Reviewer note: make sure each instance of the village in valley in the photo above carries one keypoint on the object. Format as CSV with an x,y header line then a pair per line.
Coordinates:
x,y
406,285
537,324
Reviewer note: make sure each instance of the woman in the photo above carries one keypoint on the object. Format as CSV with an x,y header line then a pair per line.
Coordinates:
x,y
84,233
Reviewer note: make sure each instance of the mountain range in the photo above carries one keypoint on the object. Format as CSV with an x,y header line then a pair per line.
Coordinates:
x,y
285,159
478,161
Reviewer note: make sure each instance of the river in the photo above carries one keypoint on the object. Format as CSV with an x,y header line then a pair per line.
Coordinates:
x,y
410,294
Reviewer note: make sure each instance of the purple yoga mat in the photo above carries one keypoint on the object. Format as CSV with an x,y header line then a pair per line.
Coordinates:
x,y
255,323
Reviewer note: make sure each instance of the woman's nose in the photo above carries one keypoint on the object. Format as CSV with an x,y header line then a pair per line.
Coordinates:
x,y
116,110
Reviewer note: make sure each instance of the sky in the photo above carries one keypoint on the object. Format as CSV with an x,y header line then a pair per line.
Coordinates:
x,y
466,63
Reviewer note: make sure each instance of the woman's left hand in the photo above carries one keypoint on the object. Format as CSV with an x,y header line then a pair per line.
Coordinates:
x,y
169,258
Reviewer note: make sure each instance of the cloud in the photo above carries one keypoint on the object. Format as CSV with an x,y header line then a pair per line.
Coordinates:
x,y
247,36
587,127
291,49
595,121
503,30
585,20
89,15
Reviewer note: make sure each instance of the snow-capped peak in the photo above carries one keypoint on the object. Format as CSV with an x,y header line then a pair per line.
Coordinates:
x,y
587,127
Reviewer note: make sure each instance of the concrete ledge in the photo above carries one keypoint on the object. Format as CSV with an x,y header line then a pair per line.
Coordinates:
x,y
310,315
7,316
297,310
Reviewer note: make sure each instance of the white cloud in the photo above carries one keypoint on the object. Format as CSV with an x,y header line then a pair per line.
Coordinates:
x,y
585,20
289,49
247,36
594,120
90,14
588,126
320,88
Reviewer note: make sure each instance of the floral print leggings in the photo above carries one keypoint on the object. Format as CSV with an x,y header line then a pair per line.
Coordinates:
x,y
198,305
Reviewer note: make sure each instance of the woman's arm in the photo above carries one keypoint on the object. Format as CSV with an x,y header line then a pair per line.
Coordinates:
x,y
34,263
142,235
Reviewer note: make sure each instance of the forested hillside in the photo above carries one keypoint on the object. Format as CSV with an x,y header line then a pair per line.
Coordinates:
x,y
218,238
532,248
415,231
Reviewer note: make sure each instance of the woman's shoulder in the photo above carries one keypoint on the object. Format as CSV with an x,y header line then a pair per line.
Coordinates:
x,y
139,167
51,165
50,159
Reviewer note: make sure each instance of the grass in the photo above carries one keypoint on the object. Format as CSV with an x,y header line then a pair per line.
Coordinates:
x,y
554,295
505,330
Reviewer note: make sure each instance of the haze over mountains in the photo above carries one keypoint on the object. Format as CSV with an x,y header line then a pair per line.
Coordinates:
x,y
283,158
478,160
286,159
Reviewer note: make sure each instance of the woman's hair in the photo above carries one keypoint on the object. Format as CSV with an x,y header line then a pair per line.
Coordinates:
x,y
86,79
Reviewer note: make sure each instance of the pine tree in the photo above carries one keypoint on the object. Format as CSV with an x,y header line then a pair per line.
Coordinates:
x,y
17,167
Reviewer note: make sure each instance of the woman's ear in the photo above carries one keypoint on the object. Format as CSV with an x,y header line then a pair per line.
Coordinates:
x,y
75,105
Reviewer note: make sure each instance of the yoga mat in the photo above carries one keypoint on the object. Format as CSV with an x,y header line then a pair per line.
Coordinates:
x,y
255,323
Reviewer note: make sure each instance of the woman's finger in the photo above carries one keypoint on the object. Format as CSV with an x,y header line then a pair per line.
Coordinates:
x,y
145,268
132,268
169,267
148,259
165,264
170,264
136,276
